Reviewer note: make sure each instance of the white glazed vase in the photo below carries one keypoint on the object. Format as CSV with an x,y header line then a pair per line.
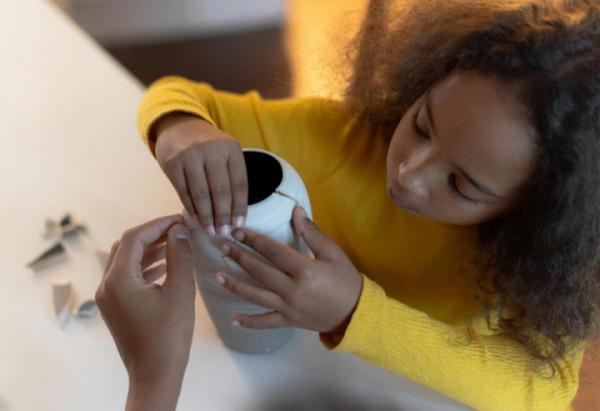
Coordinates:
x,y
274,190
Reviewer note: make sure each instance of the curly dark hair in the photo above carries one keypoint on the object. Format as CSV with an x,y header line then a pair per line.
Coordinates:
x,y
541,259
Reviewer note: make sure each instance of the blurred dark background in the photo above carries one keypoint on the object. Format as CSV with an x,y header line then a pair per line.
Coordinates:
x,y
234,45
236,62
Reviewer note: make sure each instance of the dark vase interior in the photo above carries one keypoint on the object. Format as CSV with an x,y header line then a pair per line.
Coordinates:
x,y
264,175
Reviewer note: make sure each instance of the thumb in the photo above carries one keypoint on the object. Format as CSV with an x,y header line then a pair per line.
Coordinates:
x,y
180,269
322,246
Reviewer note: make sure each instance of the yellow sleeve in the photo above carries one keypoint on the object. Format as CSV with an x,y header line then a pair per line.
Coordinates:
x,y
309,133
492,372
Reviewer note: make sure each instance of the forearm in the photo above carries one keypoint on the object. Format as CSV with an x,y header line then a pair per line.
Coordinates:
x,y
159,395
306,132
165,121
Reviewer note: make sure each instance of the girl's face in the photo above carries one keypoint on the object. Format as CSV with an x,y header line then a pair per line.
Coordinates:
x,y
461,151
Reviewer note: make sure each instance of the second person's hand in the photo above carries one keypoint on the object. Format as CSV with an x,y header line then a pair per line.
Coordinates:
x,y
207,168
152,324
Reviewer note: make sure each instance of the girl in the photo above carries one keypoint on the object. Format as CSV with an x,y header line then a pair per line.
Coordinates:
x,y
455,188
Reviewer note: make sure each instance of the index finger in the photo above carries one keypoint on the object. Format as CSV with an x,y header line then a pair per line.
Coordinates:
x,y
135,240
239,187
280,255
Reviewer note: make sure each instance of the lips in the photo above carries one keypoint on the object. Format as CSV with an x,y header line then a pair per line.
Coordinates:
x,y
399,199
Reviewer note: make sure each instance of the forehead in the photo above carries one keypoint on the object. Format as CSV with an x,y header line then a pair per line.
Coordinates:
x,y
482,129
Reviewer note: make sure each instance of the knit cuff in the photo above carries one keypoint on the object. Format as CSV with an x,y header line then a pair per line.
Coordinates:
x,y
159,101
364,321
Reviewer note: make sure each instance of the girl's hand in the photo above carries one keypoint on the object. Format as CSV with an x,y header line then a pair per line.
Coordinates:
x,y
316,294
152,325
207,169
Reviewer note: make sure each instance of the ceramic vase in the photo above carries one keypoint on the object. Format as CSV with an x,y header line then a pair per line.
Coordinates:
x,y
274,190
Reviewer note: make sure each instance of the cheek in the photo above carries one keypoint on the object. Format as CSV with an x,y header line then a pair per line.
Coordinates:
x,y
444,209
451,211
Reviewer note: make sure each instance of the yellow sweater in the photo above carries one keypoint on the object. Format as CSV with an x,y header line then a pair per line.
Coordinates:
x,y
419,286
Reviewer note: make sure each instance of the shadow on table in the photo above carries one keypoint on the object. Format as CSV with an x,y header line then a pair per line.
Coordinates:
x,y
3,405
322,398
303,376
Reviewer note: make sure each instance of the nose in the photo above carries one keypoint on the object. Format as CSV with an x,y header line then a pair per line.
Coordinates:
x,y
415,173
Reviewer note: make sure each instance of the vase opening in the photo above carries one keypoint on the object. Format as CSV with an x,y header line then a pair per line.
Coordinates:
x,y
264,175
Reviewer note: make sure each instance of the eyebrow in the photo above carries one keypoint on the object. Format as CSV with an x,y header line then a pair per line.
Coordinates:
x,y
481,187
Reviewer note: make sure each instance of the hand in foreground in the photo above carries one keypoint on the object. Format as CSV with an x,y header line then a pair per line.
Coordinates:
x,y
316,294
207,169
152,325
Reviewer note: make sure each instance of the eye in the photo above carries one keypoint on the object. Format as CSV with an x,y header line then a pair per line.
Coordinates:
x,y
415,125
454,189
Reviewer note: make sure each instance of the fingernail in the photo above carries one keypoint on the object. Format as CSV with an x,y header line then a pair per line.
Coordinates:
x,y
225,248
220,279
302,212
180,232
235,323
225,229
211,230
238,221
239,235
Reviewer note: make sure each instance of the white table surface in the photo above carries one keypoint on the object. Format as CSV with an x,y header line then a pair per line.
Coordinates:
x,y
68,143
